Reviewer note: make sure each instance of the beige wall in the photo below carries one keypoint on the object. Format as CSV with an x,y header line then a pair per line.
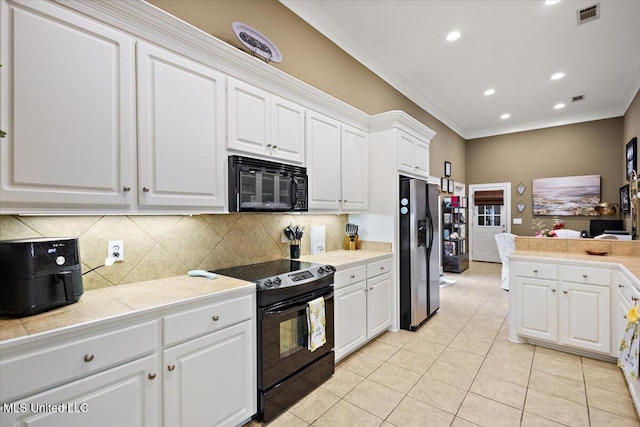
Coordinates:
x,y
631,128
314,59
165,246
591,148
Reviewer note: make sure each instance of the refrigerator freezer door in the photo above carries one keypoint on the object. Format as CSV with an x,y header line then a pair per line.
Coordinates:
x,y
418,245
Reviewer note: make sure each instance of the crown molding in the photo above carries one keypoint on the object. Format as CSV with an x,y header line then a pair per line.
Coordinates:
x,y
400,119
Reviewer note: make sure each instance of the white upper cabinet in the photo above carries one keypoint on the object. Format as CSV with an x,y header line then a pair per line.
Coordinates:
x,y
337,163
181,128
323,162
413,155
263,124
68,110
355,164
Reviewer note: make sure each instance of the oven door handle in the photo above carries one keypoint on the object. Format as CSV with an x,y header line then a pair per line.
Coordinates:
x,y
296,307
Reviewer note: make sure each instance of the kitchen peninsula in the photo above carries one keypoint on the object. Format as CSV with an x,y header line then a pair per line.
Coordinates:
x,y
573,295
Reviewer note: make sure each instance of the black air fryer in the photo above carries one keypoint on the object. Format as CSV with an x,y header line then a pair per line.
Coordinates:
x,y
39,275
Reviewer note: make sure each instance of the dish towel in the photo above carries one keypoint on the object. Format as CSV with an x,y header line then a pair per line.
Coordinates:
x,y
316,321
628,355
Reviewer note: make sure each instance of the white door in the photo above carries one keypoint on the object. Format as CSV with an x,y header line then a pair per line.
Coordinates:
x,y
71,120
585,317
489,220
355,166
181,131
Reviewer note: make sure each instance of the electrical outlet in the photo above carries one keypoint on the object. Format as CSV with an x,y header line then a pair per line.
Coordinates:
x,y
284,238
115,249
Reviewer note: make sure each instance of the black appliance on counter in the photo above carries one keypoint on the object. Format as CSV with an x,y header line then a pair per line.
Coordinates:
x,y
261,186
287,369
39,275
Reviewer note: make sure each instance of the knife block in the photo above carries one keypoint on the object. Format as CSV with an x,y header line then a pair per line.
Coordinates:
x,y
348,245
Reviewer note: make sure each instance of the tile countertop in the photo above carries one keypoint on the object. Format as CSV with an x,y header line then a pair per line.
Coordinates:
x,y
344,259
119,301
625,253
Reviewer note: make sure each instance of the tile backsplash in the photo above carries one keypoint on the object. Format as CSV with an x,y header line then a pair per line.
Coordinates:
x,y
163,246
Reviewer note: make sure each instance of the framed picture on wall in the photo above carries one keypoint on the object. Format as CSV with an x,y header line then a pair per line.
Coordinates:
x,y
444,185
625,202
451,186
631,157
447,169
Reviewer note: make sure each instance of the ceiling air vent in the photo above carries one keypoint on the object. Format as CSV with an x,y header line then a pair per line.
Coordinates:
x,y
577,98
588,14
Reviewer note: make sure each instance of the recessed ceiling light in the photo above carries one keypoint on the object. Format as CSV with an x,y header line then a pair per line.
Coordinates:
x,y
505,116
550,2
453,36
489,92
558,106
557,76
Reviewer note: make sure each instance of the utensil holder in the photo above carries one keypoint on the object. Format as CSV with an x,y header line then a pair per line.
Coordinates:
x,y
294,251
348,245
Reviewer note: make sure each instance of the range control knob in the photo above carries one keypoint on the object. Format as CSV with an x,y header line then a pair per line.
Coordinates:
x,y
321,270
329,268
268,283
277,281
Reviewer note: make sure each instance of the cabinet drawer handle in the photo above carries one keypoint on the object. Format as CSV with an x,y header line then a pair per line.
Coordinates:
x,y
152,376
88,358
565,292
624,315
634,299
171,367
535,271
381,268
553,290
620,285
216,318
584,276
146,189
269,145
353,276
275,147
126,188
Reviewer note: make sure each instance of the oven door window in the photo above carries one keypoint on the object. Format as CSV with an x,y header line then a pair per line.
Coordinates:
x,y
283,344
293,336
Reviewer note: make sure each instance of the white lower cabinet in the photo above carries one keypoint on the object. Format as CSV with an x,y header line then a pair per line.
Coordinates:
x,y
210,381
362,305
573,309
123,396
110,374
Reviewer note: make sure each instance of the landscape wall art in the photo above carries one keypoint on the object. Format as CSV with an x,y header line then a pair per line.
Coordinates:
x,y
566,196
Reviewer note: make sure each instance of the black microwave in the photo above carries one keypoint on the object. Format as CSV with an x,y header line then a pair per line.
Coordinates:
x,y
262,186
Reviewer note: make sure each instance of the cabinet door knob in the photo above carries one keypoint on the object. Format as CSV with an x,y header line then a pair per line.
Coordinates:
x,y
565,292
126,188
381,268
171,367
145,189
620,285
370,289
353,276
216,318
624,315
152,376
553,290
275,147
269,145
88,358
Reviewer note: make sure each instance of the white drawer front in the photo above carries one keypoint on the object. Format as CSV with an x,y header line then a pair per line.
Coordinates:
x,y
625,288
212,317
537,270
65,361
347,277
586,275
379,267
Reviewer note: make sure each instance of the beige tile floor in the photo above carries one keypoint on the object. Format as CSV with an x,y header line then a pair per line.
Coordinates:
x,y
460,370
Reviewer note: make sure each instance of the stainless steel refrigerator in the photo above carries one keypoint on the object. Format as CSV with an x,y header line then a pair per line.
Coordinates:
x,y
419,252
